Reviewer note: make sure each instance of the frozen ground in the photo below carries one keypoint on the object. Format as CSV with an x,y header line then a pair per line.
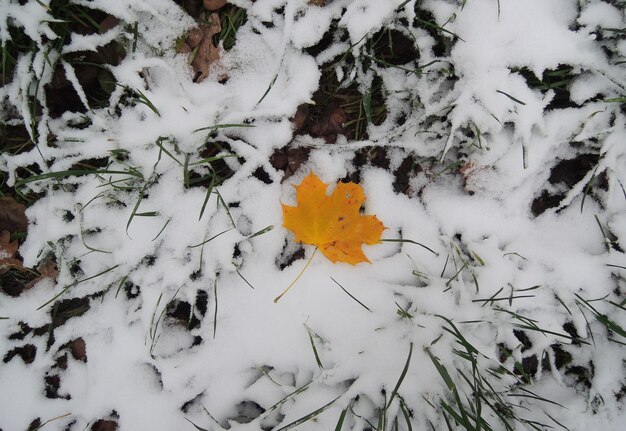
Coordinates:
x,y
162,314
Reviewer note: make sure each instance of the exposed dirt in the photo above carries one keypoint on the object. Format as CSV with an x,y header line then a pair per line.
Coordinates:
x,y
563,176
407,170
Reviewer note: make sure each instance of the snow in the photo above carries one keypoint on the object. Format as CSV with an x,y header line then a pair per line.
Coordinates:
x,y
141,245
600,14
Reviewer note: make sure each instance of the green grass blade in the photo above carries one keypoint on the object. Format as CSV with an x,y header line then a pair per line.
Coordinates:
x,y
153,327
159,143
261,232
244,279
120,285
405,413
441,369
210,160
529,394
342,417
445,418
162,229
317,356
211,239
74,173
88,247
587,188
350,295
269,87
402,312
212,418
511,97
437,27
143,99
186,171
69,286
295,392
308,417
209,190
196,426
222,126
557,422
215,309
222,202
133,213
411,242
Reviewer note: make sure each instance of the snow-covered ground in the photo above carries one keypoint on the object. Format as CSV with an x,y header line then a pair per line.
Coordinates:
x,y
174,290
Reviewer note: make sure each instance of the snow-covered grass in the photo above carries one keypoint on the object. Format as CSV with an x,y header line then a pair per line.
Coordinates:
x,y
492,149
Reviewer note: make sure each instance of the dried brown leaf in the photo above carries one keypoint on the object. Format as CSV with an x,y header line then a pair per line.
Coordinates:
x,y
12,215
207,53
8,249
330,125
301,117
289,159
214,4
104,425
47,270
194,37
78,348
108,23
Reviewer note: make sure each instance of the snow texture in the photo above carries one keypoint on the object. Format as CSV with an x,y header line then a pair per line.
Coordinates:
x,y
139,244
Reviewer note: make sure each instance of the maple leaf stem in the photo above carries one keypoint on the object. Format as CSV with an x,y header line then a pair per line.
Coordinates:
x,y
297,278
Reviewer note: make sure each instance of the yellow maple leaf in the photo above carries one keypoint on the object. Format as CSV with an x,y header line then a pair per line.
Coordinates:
x,y
332,222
